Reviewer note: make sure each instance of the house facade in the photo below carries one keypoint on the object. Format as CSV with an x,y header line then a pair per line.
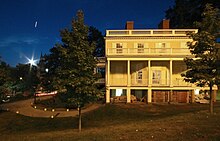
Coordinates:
x,y
146,65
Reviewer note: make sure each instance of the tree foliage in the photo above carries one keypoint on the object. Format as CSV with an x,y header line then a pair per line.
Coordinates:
x,y
203,70
95,36
71,63
4,79
185,12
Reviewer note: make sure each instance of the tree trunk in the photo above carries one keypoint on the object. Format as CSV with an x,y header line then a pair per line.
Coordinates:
x,y
211,99
80,119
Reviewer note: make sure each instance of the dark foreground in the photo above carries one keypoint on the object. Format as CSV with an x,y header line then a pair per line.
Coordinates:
x,y
113,122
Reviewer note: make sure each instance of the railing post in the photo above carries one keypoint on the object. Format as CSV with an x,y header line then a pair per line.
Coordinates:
x,y
108,73
128,73
129,32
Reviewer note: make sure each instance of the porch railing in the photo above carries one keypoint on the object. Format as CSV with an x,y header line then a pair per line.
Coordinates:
x,y
148,51
151,32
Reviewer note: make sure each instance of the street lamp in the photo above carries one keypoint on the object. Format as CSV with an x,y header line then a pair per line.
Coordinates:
x,y
32,62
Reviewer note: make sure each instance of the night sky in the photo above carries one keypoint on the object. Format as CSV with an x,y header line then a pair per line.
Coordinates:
x,y
31,27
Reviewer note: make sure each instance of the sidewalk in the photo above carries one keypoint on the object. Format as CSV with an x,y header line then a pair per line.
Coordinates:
x,y
25,108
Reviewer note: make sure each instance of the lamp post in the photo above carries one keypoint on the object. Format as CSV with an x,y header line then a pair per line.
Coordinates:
x,y
32,62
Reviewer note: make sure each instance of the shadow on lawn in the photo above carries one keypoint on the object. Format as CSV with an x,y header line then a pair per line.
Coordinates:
x,y
119,114
107,115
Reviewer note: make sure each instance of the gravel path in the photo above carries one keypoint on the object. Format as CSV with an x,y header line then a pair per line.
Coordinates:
x,y
25,107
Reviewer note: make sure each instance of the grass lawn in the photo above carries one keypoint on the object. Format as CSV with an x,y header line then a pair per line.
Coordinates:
x,y
114,122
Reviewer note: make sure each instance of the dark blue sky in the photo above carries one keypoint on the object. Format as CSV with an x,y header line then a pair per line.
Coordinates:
x,y
20,38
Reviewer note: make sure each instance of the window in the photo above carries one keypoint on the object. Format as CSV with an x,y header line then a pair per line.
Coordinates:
x,y
140,48
139,76
161,47
183,45
119,48
156,77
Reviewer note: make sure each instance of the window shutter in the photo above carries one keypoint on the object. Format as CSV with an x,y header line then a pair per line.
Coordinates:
x,y
124,45
135,45
113,45
113,49
183,45
157,45
167,45
145,45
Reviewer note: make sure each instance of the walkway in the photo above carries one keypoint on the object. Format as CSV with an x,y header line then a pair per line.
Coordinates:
x,y
25,107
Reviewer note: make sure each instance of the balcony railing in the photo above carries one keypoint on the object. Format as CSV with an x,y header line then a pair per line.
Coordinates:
x,y
160,82
178,82
139,82
118,82
148,51
151,32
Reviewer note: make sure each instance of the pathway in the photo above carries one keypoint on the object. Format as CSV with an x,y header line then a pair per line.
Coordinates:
x,y
25,107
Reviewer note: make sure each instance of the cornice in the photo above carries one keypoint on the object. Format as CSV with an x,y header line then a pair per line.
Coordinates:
x,y
135,38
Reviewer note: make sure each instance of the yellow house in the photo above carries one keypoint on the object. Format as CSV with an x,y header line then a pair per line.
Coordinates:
x,y
146,65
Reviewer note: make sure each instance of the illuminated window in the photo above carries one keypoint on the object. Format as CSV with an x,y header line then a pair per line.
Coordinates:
x,y
140,48
139,76
162,45
156,77
119,48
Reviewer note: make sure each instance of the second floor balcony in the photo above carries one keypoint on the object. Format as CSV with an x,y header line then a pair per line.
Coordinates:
x,y
147,51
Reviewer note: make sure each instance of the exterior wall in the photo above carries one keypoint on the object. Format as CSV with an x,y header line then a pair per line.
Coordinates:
x,y
178,68
147,65
139,66
151,43
118,73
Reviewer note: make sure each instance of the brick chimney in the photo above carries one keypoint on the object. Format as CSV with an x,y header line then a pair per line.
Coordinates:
x,y
164,24
129,25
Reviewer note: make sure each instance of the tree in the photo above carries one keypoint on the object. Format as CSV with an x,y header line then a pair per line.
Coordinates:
x,y
185,12
4,79
203,70
72,65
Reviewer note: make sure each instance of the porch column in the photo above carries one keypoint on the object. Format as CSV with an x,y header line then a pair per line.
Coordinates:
x,y
108,73
149,96
128,74
107,95
193,96
107,76
128,82
149,73
128,95
171,73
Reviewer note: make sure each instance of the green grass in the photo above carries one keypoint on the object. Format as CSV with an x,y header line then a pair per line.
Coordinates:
x,y
114,122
